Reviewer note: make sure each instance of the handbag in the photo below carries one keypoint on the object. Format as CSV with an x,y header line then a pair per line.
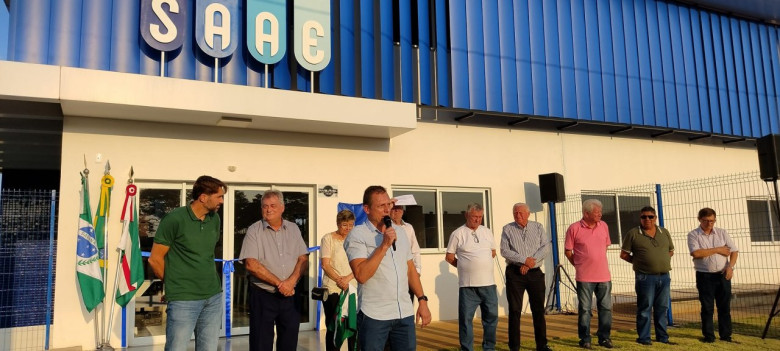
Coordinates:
x,y
319,294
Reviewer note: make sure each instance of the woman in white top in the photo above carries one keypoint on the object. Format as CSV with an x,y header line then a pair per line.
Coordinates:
x,y
338,274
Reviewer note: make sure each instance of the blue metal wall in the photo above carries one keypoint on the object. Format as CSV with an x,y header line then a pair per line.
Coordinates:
x,y
641,62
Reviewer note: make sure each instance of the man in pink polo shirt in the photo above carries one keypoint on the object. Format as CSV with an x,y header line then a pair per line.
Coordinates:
x,y
586,248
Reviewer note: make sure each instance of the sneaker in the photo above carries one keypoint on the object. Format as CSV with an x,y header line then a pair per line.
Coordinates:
x,y
586,345
707,340
644,342
606,343
730,340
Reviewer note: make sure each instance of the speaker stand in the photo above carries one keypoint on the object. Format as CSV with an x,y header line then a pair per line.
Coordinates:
x,y
555,291
774,311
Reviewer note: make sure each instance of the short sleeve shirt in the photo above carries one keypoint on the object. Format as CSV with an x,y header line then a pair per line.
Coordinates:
x,y
474,249
650,254
276,250
697,239
385,296
190,271
333,248
589,246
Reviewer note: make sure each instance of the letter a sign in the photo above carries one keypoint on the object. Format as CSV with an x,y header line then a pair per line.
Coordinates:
x,y
216,27
266,26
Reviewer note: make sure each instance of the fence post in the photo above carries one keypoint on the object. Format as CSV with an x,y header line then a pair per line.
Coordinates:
x,y
659,201
51,263
554,241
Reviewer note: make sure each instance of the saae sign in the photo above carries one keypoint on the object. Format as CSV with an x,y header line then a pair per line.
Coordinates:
x,y
217,23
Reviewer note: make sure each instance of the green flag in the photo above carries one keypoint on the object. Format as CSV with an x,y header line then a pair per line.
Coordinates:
x,y
87,266
131,266
101,215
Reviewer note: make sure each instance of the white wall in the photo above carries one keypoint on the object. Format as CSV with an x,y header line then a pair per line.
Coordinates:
x,y
432,154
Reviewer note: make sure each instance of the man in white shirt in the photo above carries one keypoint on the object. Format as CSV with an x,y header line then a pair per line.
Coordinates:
x,y
471,249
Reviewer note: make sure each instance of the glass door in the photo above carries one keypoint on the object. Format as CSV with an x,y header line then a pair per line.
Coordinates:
x,y
243,211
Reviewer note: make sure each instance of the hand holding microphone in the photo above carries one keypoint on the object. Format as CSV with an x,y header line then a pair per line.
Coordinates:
x,y
388,225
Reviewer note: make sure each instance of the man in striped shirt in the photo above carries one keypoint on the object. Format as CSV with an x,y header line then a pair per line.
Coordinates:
x,y
524,245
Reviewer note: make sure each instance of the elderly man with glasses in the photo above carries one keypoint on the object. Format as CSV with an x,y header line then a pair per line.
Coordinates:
x,y
649,248
471,249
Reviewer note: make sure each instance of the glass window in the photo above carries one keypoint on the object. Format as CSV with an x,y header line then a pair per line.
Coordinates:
x,y
620,212
439,211
763,222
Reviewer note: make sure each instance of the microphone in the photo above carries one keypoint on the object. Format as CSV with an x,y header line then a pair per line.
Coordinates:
x,y
388,224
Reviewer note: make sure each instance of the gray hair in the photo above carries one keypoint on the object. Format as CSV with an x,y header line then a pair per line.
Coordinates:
x,y
474,207
521,204
589,204
273,193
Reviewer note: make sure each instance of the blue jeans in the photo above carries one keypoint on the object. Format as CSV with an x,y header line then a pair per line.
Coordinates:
x,y
468,299
373,334
604,303
204,317
652,292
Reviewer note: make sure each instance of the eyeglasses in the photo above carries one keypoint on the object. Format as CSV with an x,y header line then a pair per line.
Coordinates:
x,y
647,217
476,239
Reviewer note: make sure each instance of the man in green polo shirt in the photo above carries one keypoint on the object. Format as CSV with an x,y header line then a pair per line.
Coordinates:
x,y
183,257
650,248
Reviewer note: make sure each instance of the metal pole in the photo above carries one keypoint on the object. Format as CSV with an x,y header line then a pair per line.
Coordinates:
x,y
660,203
50,269
774,311
554,241
107,342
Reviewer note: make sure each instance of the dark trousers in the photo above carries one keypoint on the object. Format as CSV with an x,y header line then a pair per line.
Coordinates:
x,y
516,285
714,287
330,305
269,309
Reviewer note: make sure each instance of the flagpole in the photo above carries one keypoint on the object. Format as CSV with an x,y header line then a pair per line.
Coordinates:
x,y
126,223
107,182
94,312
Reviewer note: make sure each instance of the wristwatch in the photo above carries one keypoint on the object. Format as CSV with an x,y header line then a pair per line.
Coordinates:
x,y
422,298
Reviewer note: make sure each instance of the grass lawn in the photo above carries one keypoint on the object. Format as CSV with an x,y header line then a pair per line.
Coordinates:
x,y
686,337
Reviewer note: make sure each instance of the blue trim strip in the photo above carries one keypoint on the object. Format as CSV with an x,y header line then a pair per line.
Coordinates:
x,y
367,60
476,56
31,26
523,58
386,49
689,61
606,62
492,62
737,103
595,83
774,76
645,68
761,125
766,45
65,33
407,78
656,66
678,63
751,125
95,38
424,40
538,68
622,93
667,65
566,44
632,63
507,57
720,73
443,73
347,48
553,59
710,80
458,54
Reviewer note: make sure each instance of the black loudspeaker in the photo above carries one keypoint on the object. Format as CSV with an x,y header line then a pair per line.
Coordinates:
x,y
551,188
768,152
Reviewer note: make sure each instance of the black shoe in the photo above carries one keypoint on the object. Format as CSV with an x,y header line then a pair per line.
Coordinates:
x,y
586,345
730,340
606,343
544,348
646,343
707,340
668,342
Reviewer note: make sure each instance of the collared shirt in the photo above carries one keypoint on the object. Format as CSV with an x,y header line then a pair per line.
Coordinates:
x,y
415,246
650,254
474,248
718,237
276,250
519,243
190,272
589,246
385,296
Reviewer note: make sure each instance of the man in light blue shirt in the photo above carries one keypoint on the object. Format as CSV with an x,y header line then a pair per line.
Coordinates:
x,y
381,261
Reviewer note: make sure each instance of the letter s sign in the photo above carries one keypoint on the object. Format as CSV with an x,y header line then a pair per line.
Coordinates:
x,y
163,24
